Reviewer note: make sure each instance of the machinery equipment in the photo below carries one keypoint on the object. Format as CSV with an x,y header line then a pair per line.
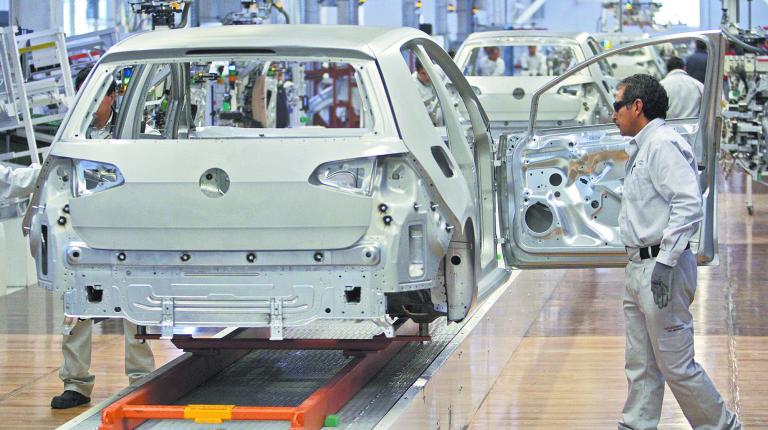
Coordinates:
x,y
35,85
745,128
255,12
619,13
163,13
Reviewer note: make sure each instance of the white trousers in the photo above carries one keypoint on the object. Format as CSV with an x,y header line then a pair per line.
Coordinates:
x,y
660,348
76,349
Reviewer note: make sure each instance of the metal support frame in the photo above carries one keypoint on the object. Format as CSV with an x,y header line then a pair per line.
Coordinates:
x,y
18,91
151,401
530,11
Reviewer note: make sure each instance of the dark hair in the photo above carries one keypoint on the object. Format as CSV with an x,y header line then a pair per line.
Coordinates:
x,y
419,66
82,75
675,63
700,45
650,91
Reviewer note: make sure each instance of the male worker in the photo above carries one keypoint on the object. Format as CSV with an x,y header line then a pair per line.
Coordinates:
x,y
696,63
535,63
428,94
660,211
684,91
76,347
492,64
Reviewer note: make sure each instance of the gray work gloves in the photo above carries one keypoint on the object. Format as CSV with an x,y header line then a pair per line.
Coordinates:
x,y
661,284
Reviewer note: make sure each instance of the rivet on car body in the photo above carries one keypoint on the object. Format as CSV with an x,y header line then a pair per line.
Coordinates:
x,y
383,207
387,220
370,254
318,257
416,207
185,257
433,206
121,256
251,257
62,220
74,253
65,209
449,228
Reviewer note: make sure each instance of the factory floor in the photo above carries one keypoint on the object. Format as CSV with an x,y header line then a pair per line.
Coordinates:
x,y
566,373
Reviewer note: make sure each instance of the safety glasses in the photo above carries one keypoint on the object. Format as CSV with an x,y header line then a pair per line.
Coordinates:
x,y
617,105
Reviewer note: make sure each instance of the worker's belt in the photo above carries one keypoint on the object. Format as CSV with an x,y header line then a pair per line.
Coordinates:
x,y
653,251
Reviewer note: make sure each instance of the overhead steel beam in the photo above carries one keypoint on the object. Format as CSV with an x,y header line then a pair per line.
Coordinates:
x,y
529,11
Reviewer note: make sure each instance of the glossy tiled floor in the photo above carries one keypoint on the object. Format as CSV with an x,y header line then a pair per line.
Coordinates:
x,y
566,373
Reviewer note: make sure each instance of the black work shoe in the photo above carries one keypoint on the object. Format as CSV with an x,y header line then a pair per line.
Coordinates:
x,y
69,399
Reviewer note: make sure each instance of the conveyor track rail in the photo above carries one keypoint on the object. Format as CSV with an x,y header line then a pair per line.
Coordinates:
x,y
152,401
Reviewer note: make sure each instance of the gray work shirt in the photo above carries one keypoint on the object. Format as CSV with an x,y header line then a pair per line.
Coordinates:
x,y
684,94
662,202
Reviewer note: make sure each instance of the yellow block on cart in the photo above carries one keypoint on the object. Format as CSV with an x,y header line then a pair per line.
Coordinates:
x,y
208,414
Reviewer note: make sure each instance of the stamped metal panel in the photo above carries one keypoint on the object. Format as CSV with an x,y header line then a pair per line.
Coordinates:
x,y
270,204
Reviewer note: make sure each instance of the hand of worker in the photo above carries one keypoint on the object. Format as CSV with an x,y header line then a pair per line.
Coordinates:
x,y
661,284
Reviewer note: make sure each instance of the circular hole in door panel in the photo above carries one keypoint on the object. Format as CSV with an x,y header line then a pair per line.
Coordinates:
x,y
555,179
539,218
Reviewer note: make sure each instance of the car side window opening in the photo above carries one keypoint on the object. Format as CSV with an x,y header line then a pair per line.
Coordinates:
x,y
219,98
441,99
575,102
520,59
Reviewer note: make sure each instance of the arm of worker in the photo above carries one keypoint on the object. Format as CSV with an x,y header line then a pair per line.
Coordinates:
x,y
673,177
500,67
542,69
17,182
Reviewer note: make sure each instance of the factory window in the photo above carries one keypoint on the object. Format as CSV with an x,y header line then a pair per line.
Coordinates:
x,y
520,59
84,16
241,99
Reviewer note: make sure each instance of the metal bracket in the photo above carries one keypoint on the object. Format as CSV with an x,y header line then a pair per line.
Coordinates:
x,y
166,324
275,319
385,324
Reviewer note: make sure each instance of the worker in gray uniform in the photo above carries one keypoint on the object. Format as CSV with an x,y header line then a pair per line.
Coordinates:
x,y
76,347
660,211
684,91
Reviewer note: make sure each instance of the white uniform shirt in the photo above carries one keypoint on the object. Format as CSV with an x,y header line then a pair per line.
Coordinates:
x,y
18,182
684,94
488,67
428,96
662,202
534,65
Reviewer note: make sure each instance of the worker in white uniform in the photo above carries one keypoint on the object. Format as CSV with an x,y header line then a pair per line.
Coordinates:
x,y
428,94
660,211
684,91
76,347
492,64
535,63
14,183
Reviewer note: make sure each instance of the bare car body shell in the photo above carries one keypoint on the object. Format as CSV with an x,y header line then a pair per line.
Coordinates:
x,y
276,250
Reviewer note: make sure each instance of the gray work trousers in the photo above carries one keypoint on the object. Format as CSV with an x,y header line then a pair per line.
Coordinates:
x,y
76,349
660,348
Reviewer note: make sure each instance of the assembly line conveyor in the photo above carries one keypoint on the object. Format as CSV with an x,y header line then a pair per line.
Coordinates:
x,y
412,382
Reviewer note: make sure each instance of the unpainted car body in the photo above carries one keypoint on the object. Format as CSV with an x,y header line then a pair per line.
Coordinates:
x,y
312,226
172,223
